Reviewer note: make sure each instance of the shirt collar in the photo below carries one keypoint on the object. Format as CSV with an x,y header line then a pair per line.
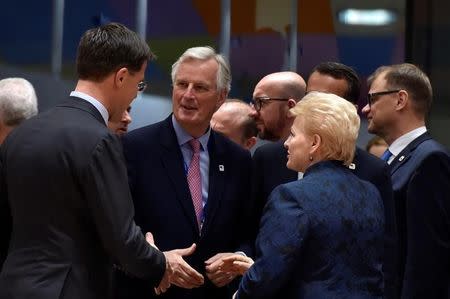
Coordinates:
x,y
183,137
103,111
400,143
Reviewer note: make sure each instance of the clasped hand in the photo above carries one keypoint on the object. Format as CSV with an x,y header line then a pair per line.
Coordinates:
x,y
178,272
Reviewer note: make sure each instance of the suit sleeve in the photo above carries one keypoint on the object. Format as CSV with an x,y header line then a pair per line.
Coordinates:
x,y
256,194
284,228
109,200
428,229
247,238
391,250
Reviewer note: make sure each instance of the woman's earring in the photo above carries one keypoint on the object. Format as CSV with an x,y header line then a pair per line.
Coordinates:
x,y
310,158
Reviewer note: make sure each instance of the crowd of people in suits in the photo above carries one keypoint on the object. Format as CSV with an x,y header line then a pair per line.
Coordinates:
x,y
180,208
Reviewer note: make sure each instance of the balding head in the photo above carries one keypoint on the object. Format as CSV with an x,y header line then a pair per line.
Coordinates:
x,y
233,120
288,84
273,96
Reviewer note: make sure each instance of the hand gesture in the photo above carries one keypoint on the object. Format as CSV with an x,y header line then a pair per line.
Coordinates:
x,y
216,273
178,272
236,263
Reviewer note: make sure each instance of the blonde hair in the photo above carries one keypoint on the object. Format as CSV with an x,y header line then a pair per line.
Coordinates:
x,y
334,119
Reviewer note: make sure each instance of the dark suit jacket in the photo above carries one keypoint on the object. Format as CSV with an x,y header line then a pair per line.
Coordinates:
x,y
421,182
269,171
320,237
72,212
164,205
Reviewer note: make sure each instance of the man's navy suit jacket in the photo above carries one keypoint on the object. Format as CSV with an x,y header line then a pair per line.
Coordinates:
x,y
320,237
66,182
269,171
421,183
163,204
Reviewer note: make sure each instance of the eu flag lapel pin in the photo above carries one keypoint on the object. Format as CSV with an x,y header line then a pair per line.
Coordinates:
x,y
221,168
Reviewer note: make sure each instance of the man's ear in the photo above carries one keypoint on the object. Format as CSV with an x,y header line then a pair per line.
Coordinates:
x,y
222,97
120,76
402,100
291,103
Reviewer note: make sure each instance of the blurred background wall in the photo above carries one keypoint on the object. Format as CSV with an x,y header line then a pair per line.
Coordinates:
x,y
362,34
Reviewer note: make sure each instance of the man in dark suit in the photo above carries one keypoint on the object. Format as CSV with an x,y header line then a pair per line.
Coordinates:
x,y
400,99
270,160
273,96
65,179
208,208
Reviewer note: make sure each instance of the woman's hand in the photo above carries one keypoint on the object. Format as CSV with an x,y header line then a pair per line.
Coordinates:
x,y
236,264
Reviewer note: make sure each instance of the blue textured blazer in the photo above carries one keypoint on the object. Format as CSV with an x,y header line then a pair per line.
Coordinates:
x,y
421,183
163,203
320,237
270,171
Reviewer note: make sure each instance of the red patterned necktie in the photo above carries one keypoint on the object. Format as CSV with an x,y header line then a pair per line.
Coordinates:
x,y
195,180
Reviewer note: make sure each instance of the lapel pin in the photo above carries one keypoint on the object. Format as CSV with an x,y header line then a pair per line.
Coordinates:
x,y
221,168
352,166
401,158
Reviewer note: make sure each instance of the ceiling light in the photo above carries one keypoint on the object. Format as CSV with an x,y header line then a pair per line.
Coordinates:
x,y
367,17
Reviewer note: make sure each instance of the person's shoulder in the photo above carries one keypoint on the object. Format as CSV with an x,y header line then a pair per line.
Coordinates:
x,y
270,149
364,158
143,134
229,146
432,147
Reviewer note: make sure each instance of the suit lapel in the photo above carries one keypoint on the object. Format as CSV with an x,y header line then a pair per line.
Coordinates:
x,y
405,154
172,160
217,170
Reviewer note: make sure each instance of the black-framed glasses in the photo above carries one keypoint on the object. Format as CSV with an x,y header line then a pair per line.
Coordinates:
x,y
261,101
371,96
142,86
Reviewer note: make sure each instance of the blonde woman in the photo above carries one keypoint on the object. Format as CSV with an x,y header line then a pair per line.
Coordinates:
x,y
322,236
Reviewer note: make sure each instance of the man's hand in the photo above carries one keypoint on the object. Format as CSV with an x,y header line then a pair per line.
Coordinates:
x,y
236,263
178,272
214,271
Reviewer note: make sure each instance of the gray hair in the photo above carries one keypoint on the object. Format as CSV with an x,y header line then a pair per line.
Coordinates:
x,y
206,53
18,101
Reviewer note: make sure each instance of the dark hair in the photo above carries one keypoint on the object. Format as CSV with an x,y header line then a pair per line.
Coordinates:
x,y
410,78
107,48
341,71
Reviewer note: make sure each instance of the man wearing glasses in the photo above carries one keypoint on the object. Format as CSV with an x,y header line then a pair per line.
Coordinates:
x,y
399,102
273,96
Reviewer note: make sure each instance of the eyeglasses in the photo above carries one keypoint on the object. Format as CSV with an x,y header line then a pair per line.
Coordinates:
x,y
371,96
257,103
142,86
